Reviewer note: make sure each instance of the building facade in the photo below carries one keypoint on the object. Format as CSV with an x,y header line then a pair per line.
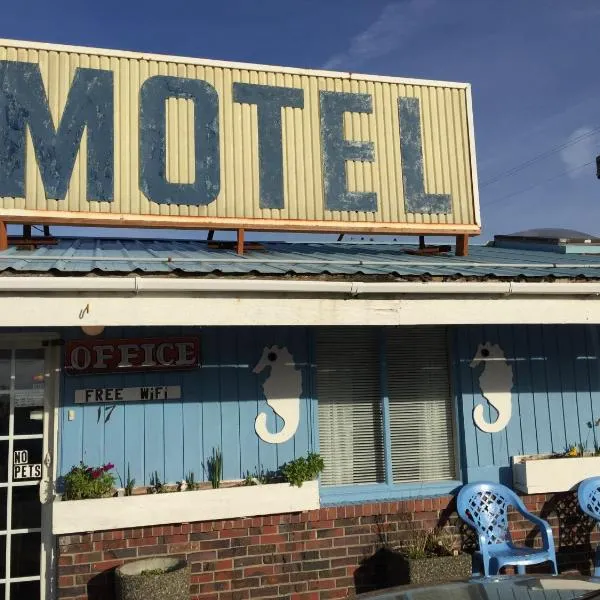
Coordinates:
x,y
409,381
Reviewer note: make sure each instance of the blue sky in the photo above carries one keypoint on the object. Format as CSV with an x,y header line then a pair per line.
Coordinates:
x,y
534,66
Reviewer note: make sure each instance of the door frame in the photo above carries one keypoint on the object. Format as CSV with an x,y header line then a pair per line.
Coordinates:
x,y
52,368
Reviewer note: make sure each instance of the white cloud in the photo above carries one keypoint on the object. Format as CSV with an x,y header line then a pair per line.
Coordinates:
x,y
583,147
397,22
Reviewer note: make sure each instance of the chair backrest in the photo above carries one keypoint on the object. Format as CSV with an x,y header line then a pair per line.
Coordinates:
x,y
485,507
588,495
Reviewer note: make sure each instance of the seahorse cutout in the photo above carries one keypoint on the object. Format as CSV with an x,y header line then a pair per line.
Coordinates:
x,y
282,390
495,382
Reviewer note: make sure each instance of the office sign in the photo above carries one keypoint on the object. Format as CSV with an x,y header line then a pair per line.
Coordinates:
x,y
129,355
117,138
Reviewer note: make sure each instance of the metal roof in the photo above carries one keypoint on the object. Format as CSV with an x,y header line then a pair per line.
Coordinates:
x,y
108,256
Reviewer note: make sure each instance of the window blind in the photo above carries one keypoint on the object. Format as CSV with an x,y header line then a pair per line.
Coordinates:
x,y
349,393
421,421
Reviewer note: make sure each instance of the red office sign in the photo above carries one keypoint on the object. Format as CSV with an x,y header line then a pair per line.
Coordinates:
x,y
131,355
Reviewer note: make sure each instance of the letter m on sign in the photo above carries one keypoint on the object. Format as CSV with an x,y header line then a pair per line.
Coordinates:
x,y
89,105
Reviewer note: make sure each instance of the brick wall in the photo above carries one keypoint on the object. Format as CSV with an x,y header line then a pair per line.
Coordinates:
x,y
316,555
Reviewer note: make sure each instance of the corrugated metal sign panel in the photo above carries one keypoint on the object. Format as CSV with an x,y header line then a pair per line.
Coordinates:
x,y
98,134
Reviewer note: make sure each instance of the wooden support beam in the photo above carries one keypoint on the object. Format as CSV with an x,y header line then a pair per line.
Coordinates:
x,y
240,242
3,236
421,242
462,245
211,234
340,237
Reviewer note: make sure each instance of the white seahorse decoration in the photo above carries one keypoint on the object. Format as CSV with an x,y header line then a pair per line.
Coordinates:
x,y
495,382
282,390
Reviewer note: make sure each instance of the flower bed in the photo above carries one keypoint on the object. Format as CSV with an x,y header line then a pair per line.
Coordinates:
x,y
99,514
92,504
540,474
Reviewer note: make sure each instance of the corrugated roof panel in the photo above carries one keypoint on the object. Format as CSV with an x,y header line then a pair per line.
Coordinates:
x,y
182,257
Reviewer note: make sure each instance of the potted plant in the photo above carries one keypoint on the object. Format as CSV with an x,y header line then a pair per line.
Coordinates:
x,y
433,557
302,469
83,482
160,578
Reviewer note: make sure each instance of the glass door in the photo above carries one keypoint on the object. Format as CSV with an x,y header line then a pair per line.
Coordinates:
x,y
23,382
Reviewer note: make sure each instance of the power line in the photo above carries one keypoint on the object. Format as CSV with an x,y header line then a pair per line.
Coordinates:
x,y
538,157
539,183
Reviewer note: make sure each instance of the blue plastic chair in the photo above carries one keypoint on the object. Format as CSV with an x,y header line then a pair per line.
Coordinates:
x,y
588,496
484,506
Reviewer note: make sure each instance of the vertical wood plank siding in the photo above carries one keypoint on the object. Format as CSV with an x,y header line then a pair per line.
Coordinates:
x,y
555,394
219,404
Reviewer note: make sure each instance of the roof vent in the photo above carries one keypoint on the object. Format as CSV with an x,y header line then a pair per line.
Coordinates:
x,y
564,241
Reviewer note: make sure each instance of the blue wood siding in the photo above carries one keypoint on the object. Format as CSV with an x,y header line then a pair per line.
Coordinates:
x,y
555,402
220,402
555,394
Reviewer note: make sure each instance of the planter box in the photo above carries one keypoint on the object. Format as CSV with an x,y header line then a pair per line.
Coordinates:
x,y
162,578
438,569
542,474
74,516
393,568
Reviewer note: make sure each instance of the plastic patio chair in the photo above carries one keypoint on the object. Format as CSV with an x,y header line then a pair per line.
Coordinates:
x,y
588,496
484,506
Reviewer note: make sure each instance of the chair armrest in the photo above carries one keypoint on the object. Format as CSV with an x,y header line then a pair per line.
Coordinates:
x,y
543,526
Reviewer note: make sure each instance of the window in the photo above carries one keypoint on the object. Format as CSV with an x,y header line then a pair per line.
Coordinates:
x,y
361,372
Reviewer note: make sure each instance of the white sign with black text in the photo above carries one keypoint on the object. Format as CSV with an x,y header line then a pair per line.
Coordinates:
x,y
128,394
21,468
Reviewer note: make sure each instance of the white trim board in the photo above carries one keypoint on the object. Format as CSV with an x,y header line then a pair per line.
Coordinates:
x,y
268,309
103,514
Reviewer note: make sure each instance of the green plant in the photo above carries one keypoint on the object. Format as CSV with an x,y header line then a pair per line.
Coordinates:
x,y
156,485
302,469
249,479
190,482
259,477
214,466
83,482
129,482
429,543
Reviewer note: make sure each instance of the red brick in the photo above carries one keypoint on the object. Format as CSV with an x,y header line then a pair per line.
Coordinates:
x,y
335,593
175,539
274,538
321,584
253,571
233,533
66,581
90,557
107,564
184,548
201,577
135,542
74,593
112,544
